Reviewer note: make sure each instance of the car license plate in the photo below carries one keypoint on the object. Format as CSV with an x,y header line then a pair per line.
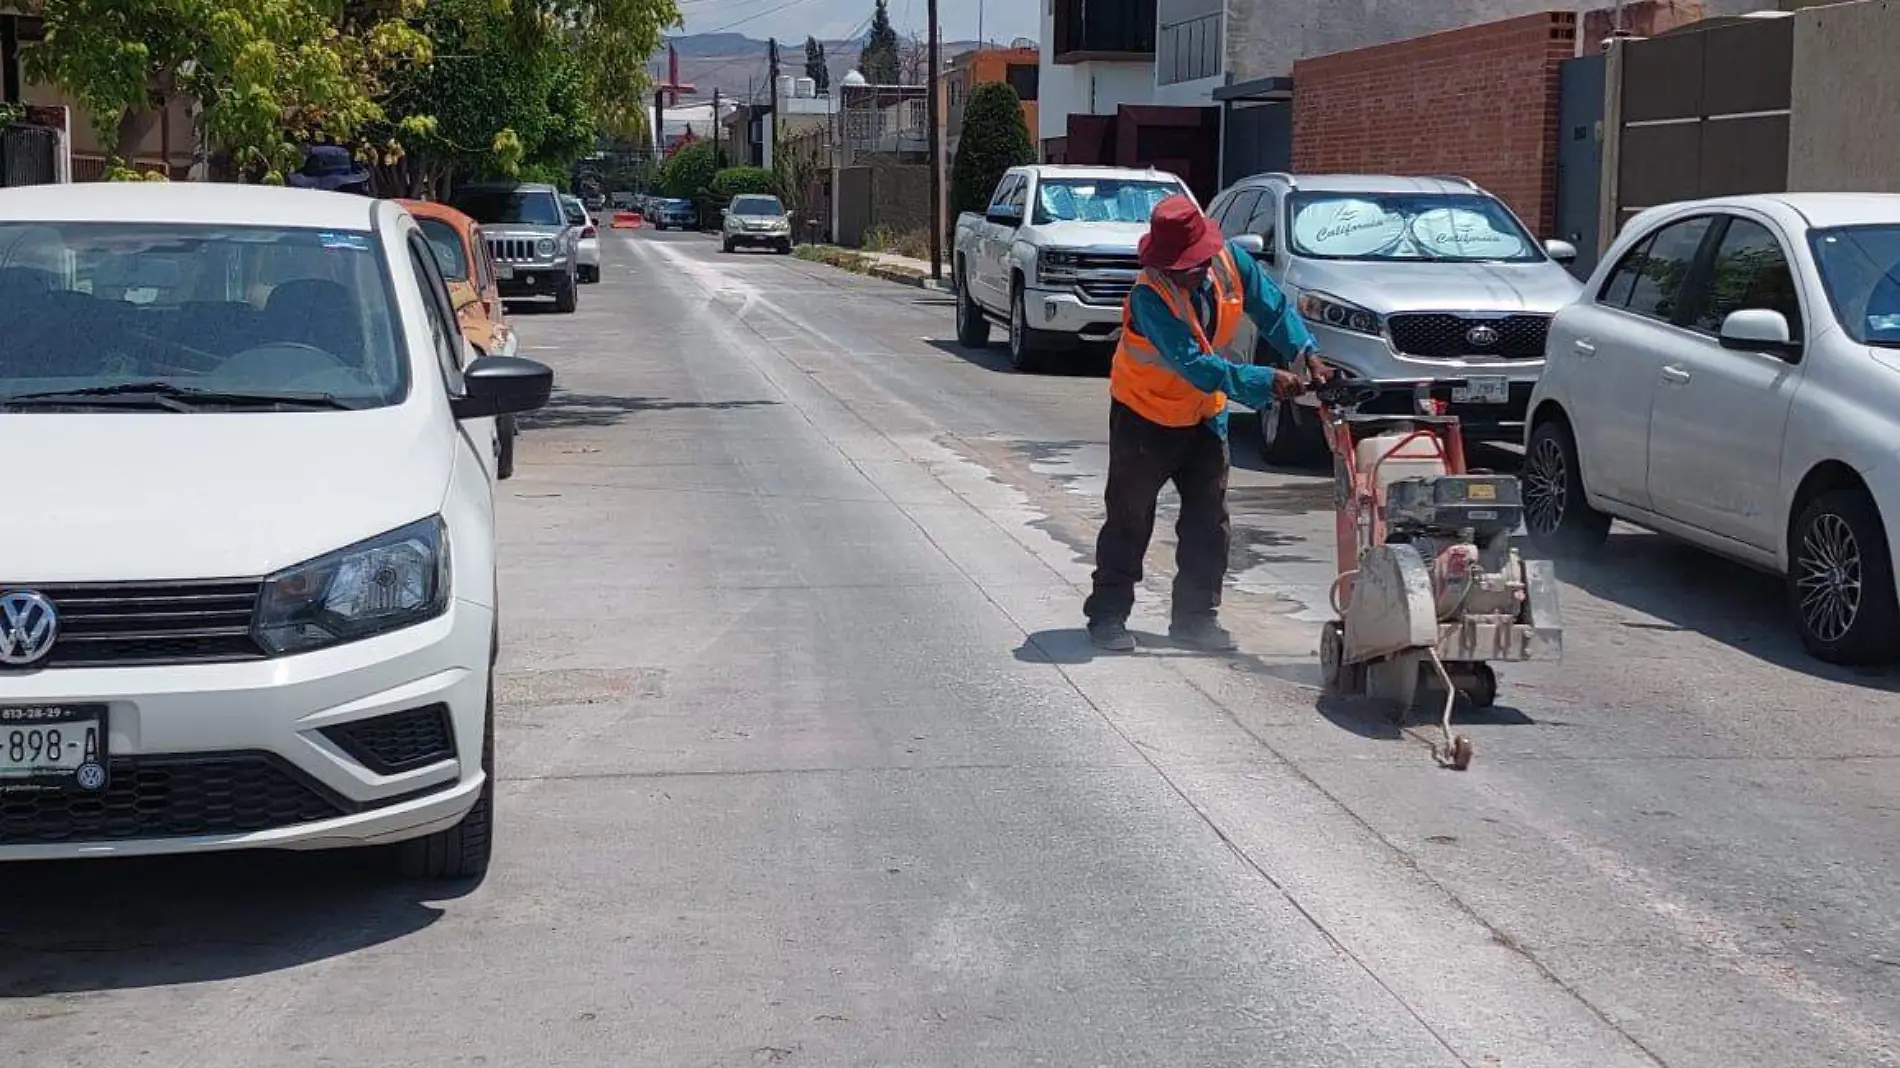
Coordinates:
x,y
503,270
52,747
1482,389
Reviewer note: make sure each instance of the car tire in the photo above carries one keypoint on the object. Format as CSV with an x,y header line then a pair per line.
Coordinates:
x,y
725,246
973,327
1556,512
505,457
567,297
462,851
1841,581
590,275
784,248
1025,345
1290,435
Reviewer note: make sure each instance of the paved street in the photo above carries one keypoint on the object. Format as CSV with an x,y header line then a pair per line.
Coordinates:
x,y
805,760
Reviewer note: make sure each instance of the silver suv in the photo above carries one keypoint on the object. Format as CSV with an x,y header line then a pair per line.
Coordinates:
x,y
1429,287
535,249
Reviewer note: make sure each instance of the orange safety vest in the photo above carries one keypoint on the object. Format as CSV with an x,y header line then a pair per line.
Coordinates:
x,y
1141,377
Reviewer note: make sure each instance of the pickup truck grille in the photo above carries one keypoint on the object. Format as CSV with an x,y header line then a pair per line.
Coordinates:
x,y
1105,277
511,249
1437,335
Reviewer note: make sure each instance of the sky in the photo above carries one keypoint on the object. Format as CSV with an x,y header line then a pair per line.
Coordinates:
x,y
834,19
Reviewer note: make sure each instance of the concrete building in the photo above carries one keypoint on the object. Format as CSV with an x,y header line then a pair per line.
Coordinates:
x,y
1020,66
1096,56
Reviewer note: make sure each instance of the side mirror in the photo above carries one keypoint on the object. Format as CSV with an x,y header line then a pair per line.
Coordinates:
x,y
1561,251
1255,245
1004,216
1759,330
502,385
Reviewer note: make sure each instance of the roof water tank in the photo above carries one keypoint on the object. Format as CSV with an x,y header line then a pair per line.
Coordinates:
x,y
785,86
805,88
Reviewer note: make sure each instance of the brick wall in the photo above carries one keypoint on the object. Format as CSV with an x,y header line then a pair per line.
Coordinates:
x,y
1479,102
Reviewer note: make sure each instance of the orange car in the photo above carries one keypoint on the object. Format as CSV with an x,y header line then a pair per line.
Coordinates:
x,y
463,258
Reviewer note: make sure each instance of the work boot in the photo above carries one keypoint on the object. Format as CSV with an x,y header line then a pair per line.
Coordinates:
x,y
1203,633
1111,635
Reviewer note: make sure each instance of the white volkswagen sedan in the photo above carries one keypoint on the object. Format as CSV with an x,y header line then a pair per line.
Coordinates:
x,y
255,604
1731,376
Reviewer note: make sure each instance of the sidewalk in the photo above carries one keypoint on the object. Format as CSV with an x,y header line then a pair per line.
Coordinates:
x,y
885,265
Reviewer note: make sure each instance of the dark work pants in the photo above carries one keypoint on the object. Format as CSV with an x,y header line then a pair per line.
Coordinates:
x,y
1144,456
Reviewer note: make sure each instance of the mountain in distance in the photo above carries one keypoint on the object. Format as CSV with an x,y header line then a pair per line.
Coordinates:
x,y
735,64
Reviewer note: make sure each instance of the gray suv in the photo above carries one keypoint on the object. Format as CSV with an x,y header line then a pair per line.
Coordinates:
x,y
535,249
1429,287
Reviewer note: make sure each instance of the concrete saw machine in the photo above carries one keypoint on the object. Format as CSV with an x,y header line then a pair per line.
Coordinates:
x,y
1430,592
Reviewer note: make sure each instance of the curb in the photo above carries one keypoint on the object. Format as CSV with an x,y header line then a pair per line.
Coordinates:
x,y
858,263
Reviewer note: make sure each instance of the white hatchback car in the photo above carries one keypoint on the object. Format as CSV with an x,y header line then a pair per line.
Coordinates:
x,y
255,605
1731,376
587,250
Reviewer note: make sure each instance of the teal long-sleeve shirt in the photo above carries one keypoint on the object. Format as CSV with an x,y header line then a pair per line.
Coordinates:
x,y
1278,321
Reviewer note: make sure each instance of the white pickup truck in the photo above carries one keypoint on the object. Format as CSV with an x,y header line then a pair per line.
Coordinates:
x,y
1053,257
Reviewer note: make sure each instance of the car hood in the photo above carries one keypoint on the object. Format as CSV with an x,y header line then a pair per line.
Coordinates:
x,y
1402,287
134,497
1091,236
521,230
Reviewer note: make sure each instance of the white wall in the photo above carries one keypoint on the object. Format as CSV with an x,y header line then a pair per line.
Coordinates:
x,y
1084,88
1195,94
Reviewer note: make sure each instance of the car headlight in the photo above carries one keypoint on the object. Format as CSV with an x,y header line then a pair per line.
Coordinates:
x,y
388,582
1340,315
544,247
1056,266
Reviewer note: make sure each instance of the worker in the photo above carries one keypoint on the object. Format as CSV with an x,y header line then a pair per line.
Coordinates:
x,y
1168,416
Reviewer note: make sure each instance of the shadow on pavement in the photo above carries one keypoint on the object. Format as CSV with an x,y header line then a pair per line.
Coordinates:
x,y
1376,720
1691,590
1080,363
76,926
594,410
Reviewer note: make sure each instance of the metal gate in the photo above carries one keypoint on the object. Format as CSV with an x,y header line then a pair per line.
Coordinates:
x,y
29,155
1702,112
1580,157
1258,139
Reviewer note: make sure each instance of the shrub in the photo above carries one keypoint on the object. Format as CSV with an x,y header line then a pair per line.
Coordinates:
x,y
993,140
736,181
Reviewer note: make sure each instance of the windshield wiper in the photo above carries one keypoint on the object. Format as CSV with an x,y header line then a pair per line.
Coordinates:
x,y
170,396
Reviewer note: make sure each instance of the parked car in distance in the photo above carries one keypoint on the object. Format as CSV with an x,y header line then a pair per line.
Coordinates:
x,y
1053,256
1731,377
297,649
754,219
587,268
529,237
466,267
671,213
1429,287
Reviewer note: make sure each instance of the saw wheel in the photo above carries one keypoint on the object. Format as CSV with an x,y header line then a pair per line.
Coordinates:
x,y
1394,680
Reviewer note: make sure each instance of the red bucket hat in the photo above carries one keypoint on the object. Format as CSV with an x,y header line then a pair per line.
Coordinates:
x,y
1179,237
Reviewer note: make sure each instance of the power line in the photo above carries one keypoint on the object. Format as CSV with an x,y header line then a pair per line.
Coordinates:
x,y
759,15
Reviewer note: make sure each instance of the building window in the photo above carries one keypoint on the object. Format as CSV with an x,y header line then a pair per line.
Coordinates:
x,y
1104,27
1024,78
1189,51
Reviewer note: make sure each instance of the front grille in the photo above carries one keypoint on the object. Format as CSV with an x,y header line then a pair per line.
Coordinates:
x,y
1105,277
172,797
1441,336
511,249
399,741
151,622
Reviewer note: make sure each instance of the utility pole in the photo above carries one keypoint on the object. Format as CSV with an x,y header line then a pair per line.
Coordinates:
x,y
936,145
771,135
719,134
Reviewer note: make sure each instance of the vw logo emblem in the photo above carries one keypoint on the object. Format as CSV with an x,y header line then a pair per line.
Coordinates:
x,y
1482,336
28,625
90,776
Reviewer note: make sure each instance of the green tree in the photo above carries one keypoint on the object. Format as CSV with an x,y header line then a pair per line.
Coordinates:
x,y
268,74
737,181
878,60
994,139
815,67
689,172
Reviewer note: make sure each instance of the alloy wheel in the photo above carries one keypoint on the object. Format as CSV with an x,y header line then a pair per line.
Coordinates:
x,y
1546,485
1828,576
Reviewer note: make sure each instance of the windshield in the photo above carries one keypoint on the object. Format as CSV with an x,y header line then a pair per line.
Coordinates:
x,y
1458,227
527,207
1100,199
447,243
1860,269
757,206
228,308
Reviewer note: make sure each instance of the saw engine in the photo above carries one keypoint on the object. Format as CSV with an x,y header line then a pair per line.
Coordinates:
x,y
1461,526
